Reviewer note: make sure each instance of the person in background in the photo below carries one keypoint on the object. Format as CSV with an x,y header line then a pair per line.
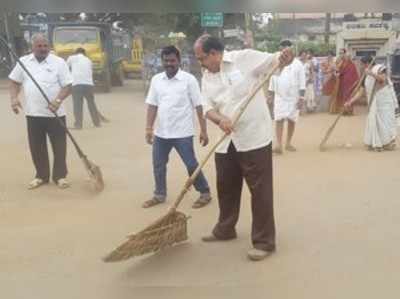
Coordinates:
x,y
173,97
82,87
287,91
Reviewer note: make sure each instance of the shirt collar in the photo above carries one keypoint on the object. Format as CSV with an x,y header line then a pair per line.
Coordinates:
x,y
178,76
226,61
227,57
32,57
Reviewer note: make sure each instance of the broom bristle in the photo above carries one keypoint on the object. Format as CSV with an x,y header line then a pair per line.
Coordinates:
x,y
167,231
95,174
97,178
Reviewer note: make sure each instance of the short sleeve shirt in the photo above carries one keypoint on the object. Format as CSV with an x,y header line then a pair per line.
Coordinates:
x,y
176,99
52,74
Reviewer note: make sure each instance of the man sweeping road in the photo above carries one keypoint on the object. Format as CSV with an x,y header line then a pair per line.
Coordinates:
x,y
53,75
246,152
82,87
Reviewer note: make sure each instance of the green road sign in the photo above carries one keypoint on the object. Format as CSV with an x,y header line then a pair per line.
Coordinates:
x,y
212,19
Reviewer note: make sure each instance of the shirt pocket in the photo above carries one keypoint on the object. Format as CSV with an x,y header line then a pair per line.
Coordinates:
x,y
182,96
48,76
175,96
234,76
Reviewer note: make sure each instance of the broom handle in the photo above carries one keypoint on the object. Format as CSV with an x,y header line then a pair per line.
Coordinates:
x,y
354,91
236,118
78,149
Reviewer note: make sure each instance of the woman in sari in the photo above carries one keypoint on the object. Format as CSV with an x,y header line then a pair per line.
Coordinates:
x,y
381,127
344,81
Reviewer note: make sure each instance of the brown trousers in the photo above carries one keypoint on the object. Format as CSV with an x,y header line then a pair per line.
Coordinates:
x,y
256,168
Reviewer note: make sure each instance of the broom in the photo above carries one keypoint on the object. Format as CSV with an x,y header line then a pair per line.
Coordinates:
x,y
356,87
172,227
94,171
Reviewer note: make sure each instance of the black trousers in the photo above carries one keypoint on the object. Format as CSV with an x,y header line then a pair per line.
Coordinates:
x,y
79,92
38,130
255,167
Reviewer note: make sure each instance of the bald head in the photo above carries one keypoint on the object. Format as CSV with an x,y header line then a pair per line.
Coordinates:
x,y
208,42
209,52
40,46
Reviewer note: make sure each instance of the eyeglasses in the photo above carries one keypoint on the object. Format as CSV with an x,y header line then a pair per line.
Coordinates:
x,y
202,58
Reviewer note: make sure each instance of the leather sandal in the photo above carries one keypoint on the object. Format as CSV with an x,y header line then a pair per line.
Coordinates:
x,y
62,183
151,202
36,183
202,201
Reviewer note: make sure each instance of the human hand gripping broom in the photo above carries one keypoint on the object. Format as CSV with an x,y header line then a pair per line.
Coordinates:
x,y
357,85
94,171
172,227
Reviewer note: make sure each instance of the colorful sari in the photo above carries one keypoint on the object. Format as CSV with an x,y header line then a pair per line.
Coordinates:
x,y
348,77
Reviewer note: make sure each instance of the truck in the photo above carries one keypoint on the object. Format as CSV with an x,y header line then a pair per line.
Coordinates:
x,y
101,46
133,62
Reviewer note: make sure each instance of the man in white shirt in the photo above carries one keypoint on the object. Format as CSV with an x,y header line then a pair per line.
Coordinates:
x,y
173,96
287,91
82,87
52,74
246,154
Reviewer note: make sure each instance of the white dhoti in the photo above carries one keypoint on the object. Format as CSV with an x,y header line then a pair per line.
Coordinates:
x,y
286,88
286,109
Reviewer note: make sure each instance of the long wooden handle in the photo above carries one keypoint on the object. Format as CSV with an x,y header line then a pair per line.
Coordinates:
x,y
77,147
354,92
189,182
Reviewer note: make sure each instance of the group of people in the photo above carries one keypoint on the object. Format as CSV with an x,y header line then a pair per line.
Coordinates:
x,y
173,101
246,154
345,89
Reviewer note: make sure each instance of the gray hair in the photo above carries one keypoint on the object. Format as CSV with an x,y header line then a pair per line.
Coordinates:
x,y
39,36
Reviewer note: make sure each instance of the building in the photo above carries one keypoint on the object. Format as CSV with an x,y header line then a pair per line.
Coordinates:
x,y
360,33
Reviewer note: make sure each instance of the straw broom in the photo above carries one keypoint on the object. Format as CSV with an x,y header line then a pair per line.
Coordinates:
x,y
94,171
322,145
172,227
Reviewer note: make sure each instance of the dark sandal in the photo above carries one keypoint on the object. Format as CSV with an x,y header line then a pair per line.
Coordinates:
x,y
150,203
201,202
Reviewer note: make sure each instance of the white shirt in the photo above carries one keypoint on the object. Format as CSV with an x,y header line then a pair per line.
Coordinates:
x,y
226,91
81,69
176,99
288,84
51,74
